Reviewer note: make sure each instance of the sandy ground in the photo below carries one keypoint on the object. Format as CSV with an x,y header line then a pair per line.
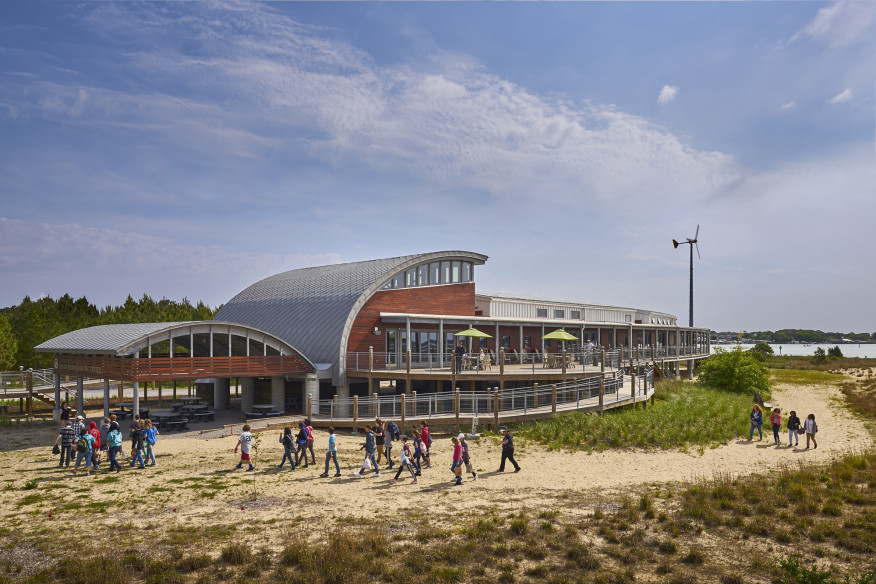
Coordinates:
x,y
194,482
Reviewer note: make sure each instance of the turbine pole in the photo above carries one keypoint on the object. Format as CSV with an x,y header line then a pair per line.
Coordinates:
x,y
691,285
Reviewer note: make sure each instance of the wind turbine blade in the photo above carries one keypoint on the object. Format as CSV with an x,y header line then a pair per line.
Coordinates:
x,y
675,243
697,233
698,249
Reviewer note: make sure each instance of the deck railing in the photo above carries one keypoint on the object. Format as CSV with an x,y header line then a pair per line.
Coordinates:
x,y
537,399
473,363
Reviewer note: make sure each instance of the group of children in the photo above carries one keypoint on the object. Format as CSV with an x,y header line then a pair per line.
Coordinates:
x,y
378,444
88,445
794,427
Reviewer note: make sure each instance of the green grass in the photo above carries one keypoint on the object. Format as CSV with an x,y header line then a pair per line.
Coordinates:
x,y
804,376
683,415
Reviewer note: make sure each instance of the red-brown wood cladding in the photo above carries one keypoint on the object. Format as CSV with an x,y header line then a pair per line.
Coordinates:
x,y
165,369
455,299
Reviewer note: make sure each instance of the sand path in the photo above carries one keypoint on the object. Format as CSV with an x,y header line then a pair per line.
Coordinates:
x,y
193,476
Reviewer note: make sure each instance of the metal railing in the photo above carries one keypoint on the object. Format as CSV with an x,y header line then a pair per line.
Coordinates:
x,y
474,362
536,399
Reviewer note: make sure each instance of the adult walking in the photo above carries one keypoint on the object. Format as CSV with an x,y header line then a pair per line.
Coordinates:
x,y
466,458
507,450
379,438
64,415
756,422
460,356
84,451
66,437
811,429
332,454
793,427
137,437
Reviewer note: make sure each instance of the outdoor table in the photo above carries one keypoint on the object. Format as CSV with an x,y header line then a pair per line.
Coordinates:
x,y
204,416
121,414
190,400
161,418
192,409
265,407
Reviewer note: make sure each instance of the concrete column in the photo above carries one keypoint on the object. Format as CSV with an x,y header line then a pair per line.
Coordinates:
x,y
247,393
221,393
278,393
56,410
106,404
311,386
80,397
342,392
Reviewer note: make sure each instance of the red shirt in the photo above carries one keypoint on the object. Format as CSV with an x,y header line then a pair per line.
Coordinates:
x,y
424,434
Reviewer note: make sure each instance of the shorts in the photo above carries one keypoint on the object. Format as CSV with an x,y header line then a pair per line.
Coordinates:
x,y
244,457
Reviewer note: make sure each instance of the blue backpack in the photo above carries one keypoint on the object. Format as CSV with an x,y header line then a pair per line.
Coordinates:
x,y
393,430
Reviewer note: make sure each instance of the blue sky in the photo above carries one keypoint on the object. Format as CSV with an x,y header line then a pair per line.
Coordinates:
x,y
189,149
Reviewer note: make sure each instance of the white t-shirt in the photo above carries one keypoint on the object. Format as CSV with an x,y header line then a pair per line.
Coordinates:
x,y
245,439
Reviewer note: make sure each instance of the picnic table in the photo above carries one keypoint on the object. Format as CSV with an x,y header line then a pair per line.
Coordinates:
x,y
190,400
263,411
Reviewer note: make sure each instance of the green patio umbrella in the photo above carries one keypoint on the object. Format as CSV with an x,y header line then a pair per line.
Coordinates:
x,y
560,335
472,332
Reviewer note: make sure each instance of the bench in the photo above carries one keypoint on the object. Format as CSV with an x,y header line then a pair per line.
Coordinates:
x,y
274,414
178,424
204,416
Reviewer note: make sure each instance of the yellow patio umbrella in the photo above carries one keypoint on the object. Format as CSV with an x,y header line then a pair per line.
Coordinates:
x,y
472,332
560,335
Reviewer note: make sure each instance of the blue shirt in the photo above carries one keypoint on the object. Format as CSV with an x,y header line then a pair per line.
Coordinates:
x,y
333,443
151,434
114,437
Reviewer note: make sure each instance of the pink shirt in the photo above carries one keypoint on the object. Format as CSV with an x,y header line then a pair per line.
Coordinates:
x,y
776,418
457,453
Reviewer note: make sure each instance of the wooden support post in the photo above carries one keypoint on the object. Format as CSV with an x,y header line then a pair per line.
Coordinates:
x,y
496,409
414,404
403,411
554,398
602,385
632,381
310,407
456,408
374,406
564,360
29,379
334,406
408,368
502,362
534,395
452,373
159,389
174,390
370,359
355,412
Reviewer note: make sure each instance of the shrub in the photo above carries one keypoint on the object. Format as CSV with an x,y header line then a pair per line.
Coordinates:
x,y
737,371
835,352
236,554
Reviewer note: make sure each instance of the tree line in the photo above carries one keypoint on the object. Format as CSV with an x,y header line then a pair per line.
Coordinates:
x,y
806,336
32,322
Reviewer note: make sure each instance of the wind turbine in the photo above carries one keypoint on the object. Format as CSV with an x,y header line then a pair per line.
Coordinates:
x,y
691,243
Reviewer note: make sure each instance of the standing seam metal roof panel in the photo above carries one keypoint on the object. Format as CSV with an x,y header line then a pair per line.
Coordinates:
x,y
313,309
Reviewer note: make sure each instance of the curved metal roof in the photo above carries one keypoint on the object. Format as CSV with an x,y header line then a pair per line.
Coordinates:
x,y
314,308
127,339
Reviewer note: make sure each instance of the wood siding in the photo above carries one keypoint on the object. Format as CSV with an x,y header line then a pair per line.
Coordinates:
x,y
164,369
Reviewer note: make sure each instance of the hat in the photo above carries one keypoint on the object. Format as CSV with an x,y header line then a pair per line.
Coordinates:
x,y
69,423
79,418
503,429
461,437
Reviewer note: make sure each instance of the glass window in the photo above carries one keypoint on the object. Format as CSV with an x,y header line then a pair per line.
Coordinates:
x,y
423,275
576,314
466,272
434,273
547,343
482,343
445,272
390,342
397,282
559,314
454,276
449,342
506,341
410,278
527,341
542,313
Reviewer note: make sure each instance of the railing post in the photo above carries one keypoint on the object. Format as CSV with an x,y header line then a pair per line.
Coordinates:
x,y
554,396
375,406
403,411
456,407
564,361
602,385
355,412
414,404
632,380
370,359
502,362
310,406
578,394
409,362
496,408
334,406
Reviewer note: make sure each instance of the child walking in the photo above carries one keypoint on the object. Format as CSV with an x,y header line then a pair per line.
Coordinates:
x,y
244,442
811,428
288,442
405,461
150,437
776,421
456,467
466,458
418,451
114,445
332,454
369,447
793,426
137,445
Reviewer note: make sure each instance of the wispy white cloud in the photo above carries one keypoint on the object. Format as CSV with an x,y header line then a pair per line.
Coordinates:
x,y
841,23
787,106
845,95
667,94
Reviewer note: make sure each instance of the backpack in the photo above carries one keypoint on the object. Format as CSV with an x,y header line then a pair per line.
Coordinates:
x,y
393,430
81,445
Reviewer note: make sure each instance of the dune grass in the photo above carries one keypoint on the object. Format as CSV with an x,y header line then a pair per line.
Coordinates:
x,y
684,415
